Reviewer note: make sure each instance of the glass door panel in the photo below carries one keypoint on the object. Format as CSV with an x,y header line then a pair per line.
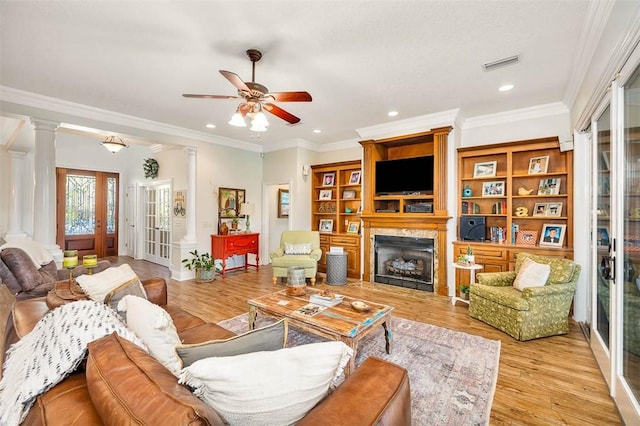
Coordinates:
x,y
157,230
630,327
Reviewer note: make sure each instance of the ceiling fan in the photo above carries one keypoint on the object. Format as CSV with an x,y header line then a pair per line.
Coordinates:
x,y
256,98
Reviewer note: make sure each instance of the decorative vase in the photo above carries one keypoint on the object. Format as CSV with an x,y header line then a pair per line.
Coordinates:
x,y
204,275
224,229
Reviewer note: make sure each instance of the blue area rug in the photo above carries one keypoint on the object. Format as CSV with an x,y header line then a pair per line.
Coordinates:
x,y
453,374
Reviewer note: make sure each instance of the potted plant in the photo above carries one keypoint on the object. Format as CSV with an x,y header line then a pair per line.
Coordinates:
x,y
234,223
203,264
464,291
471,259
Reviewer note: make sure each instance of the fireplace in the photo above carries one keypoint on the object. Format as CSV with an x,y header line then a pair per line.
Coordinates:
x,y
404,261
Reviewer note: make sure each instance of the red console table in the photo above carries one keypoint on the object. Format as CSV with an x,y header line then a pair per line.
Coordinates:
x,y
225,246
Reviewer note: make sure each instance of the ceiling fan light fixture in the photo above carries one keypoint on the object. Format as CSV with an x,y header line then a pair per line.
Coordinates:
x,y
260,120
256,128
112,144
237,119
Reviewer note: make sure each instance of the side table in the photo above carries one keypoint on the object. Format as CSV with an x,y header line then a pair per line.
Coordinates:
x,y
472,280
336,268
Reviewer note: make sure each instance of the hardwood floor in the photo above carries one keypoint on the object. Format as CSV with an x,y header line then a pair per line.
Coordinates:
x,y
550,381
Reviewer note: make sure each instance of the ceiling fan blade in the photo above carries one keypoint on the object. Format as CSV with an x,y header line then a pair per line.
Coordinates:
x,y
235,80
190,95
290,96
279,112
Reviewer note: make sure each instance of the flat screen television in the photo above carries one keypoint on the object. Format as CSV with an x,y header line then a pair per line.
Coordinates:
x,y
405,175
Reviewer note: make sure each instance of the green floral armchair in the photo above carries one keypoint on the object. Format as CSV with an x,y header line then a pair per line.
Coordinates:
x,y
300,249
532,313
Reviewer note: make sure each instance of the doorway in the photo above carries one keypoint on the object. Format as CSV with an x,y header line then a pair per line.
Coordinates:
x,y
157,224
87,211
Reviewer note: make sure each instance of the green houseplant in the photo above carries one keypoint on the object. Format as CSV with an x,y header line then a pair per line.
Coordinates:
x,y
464,291
203,264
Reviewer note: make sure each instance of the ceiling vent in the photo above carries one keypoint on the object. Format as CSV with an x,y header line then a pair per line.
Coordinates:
x,y
490,66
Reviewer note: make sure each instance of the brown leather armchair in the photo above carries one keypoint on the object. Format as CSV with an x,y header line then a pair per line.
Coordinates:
x,y
26,281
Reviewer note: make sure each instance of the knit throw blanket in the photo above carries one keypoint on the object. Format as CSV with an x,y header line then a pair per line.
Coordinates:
x,y
52,350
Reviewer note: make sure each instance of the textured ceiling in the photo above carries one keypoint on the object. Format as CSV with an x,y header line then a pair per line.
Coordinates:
x,y
358,59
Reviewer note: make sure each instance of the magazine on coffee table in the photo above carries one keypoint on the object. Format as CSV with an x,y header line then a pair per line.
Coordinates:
x,y
309,310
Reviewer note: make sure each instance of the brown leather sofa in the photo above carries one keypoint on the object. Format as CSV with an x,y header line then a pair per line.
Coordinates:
x,y
122,384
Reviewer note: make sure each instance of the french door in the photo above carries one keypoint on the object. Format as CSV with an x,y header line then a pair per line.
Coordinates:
x,y
616,241
87,211
157,224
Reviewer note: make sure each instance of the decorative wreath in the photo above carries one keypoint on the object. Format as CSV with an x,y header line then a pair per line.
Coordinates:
x,y
150,168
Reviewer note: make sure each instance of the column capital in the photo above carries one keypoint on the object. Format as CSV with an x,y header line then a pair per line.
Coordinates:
x,y
17,154
42,124
190,150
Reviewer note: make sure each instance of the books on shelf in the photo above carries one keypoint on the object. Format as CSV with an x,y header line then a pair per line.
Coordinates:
x,y
469,207
499,208
497,234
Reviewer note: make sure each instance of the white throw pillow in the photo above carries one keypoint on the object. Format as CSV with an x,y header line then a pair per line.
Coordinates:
x,y
277,387
303,248
97,286
531,274
154,326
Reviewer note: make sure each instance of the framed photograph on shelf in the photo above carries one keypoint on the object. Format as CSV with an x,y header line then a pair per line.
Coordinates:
x,y
229,200
549,186
283,203
329,179
349,194
527,238
353,227
554,209
538,165
485,169
325,194
493,189
326,225
552,235
355,178
540,209
603,236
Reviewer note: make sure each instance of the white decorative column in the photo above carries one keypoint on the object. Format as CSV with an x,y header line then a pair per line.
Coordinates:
x,y
44,206
190,236
16,192
189,242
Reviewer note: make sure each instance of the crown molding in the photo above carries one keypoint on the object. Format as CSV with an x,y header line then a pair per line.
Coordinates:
x,y
555,108
422,123
334,146
34,100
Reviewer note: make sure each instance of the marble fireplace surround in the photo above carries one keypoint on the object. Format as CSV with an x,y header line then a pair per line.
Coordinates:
x,y
407,232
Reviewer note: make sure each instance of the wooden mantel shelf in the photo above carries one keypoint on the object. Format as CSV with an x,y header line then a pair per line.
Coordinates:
x,y
416,221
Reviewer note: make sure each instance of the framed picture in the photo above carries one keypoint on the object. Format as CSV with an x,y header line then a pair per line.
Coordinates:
x,y
540,209
527,238
493,189
554,209
538,165
325,194
179,203
549,186
353,227
283,203
326,225
552,235
485,169
349,194
229,200
355,178
329,179
603,236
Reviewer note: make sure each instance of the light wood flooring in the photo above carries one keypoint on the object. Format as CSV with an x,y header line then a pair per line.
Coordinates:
x,y
550,381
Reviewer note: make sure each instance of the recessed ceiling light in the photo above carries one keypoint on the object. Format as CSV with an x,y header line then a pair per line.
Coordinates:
x,y
392,113
505,87
211,126
317,131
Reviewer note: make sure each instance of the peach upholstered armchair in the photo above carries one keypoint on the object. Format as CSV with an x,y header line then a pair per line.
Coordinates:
x,y
297,248
532,312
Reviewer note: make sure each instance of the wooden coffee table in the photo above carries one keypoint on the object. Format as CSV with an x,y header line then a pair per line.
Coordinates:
x,y
340,322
